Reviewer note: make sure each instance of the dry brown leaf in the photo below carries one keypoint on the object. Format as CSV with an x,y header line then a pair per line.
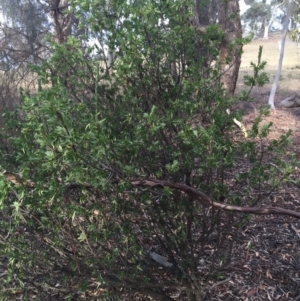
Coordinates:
x,y
252,292
13,178
16,179
268,274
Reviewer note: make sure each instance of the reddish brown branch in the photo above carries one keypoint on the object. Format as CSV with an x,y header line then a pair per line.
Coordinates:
x,y
208,202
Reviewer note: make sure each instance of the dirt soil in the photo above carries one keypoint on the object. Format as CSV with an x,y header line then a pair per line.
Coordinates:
x,y
266,261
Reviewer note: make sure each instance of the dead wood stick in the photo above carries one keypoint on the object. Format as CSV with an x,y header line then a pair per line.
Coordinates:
x,y
220,283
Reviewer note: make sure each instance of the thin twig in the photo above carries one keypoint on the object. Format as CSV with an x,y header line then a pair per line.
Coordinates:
x,y
295,230
220,283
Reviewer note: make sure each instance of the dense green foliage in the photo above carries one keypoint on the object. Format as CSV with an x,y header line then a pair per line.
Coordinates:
x,y
158,111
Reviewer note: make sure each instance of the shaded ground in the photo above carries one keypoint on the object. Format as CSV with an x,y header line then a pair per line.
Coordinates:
x,y
266,261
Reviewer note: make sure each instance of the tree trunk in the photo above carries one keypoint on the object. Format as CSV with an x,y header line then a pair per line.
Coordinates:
x,y
276,80
227,12
230,22
266,29
62,21
205,14
202,12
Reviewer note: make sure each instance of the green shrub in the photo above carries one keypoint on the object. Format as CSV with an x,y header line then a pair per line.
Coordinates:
x,y
159,111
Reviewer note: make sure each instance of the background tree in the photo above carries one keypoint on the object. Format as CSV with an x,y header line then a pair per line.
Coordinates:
x,y
25,34
261,15
231,46
277,76
295,16
227,15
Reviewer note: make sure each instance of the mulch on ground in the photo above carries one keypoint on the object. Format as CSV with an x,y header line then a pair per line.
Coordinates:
x,y
266,258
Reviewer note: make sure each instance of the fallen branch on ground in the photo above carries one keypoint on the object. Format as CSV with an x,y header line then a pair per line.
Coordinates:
x,y
291,102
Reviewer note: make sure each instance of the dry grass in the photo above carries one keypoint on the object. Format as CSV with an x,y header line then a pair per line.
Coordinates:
x,y
290,76
289,84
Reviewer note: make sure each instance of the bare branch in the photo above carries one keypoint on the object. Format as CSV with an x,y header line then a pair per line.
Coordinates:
x,y
208,202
